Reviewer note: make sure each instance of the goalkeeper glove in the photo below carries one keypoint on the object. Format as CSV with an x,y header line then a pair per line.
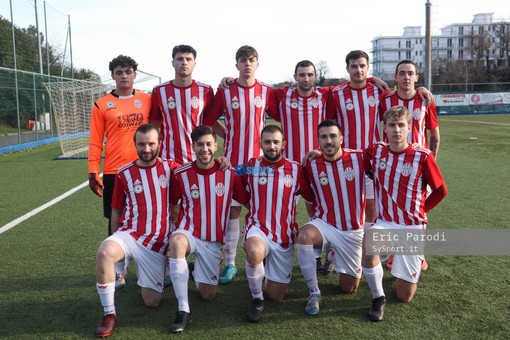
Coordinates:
x,y
96,183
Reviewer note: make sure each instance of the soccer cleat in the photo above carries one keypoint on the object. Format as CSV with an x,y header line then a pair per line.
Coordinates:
x,y
389,265
120,280
314,304
328,266
376,313
255,311
228,274
424,264
319,264
182,319
105,328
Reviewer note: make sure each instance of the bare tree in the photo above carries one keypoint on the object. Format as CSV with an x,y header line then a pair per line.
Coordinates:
x,y
322,69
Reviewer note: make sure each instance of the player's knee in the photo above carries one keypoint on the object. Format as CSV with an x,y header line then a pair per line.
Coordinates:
x,y
275,296
152,302
207,295
405,297
104,255
350,289
306,235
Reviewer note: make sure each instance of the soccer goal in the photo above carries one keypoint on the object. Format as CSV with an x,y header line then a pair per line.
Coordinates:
x,y
72,102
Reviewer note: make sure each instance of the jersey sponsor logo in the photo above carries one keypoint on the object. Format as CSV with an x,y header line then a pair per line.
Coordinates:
x,y
171,103
417,114
323,178
129,120
220,189
406,169
263,180
287,181
110,104
349,105
349,174
235,103
162,181
294,104
195,102
382,164
195,194
244,169
258,101
372,101
138,103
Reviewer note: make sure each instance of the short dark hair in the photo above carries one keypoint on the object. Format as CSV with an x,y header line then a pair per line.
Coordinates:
x,y
184,49
200,131
407,61
397,112
328,123
356,54
122,61
246,51
146,128
271,128
304,63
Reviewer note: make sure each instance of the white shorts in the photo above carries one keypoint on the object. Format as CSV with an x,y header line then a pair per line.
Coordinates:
x,y
405,267
279,261
150,266
234,203
207,258
369,188
348,247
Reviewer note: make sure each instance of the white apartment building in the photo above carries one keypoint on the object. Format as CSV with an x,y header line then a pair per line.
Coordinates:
x,y
454,43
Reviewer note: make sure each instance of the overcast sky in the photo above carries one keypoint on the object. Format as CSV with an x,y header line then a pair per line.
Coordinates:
x,y
283,31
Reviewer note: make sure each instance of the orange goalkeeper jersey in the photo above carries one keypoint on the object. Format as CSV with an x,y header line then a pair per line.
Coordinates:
x,y
118,117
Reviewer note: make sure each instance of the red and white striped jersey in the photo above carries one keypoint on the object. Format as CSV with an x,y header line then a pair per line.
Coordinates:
x,y
339,189
356,110
205,199
424,118
273,187
143,192
180,111
400,182
300,117
244,110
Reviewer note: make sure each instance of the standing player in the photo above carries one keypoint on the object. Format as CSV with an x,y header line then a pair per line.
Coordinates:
x,y
140,217
424,115
243,104
337,178
401,175
116,116
179,106
270,231
205,193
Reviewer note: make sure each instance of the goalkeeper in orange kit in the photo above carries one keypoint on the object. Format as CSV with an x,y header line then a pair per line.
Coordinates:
x,y
115,116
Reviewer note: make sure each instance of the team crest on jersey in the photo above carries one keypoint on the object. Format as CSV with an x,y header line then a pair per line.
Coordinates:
x,y
138,103
110,104
235,103
195,194
349,105
138,188
258,102
162,181
220,189
171,103
195,102
406,169
372,101
263,180
287,180
349,174
323,178
382,164
294,104
417,114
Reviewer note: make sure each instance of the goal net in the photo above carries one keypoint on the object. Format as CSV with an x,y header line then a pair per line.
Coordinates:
x,y
72,102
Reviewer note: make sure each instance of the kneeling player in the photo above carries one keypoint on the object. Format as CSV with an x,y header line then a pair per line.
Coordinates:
x,y
205,192
142,222
401,175
271,228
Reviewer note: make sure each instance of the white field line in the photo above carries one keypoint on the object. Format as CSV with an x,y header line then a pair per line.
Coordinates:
x,y
37,210
472,121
